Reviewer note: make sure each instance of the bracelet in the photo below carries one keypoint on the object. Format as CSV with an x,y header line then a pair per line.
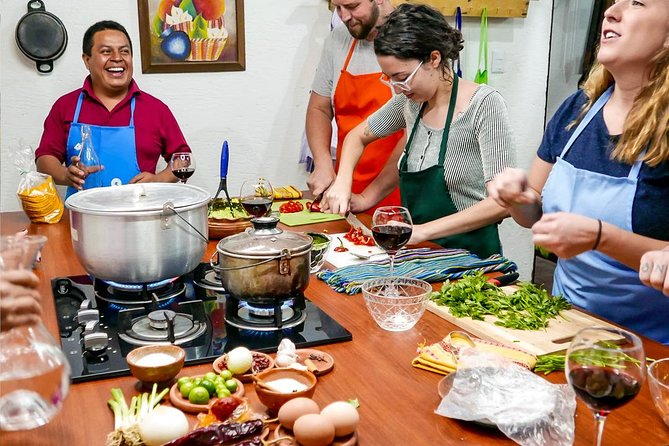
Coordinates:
x,y
599,235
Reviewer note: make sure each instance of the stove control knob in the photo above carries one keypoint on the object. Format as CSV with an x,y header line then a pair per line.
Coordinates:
x,y
86,316
90,327
96,343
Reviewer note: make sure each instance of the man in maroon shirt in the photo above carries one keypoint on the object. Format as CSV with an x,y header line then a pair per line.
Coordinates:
x,y
130,128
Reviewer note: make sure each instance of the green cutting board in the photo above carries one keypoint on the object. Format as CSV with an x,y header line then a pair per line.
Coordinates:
x,y
303,217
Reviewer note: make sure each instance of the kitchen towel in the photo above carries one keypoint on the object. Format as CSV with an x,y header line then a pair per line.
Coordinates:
x,y
431,265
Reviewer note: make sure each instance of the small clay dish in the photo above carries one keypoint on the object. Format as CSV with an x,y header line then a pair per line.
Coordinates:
x,y
156,363
280,431
182,403
273,399
261,362
318,362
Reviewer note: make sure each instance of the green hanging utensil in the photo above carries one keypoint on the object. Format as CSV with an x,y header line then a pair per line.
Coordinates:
x,y
482,73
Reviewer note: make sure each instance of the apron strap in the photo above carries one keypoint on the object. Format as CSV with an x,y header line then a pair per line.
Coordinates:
x,y
350,54
599,104
636,167
75,120
132,111
447,127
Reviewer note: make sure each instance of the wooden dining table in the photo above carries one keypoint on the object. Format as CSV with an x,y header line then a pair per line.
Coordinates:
x,y
397,401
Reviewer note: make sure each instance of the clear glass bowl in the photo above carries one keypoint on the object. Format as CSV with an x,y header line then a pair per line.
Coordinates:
x,y
319,250
658,380
396,303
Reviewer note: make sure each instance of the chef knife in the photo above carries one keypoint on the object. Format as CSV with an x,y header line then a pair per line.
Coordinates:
x,y
506,279
353,221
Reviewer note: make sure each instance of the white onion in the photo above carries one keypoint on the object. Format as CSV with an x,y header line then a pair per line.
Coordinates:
x,y
239,360
162,425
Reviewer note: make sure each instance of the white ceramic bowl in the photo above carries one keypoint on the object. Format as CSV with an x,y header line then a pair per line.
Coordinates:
x,y
396,303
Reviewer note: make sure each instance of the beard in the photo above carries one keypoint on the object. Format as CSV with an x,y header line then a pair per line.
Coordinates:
x,y
364,28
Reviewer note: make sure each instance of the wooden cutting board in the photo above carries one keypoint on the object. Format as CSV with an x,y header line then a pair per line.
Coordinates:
x,y
553,339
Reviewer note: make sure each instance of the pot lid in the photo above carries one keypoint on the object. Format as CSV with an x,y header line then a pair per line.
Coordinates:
x,y
263,242
137,198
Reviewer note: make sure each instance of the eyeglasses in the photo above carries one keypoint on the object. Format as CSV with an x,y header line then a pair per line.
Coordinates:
x,y
400,85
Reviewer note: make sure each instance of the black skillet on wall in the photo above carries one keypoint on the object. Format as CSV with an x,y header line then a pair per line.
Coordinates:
x,y
41,36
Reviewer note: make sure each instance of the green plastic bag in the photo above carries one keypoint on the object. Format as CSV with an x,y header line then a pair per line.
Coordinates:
x,y
482,72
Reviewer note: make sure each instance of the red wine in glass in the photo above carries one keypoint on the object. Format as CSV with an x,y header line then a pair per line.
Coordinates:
x,y
391,237
184,173
604,389
257,206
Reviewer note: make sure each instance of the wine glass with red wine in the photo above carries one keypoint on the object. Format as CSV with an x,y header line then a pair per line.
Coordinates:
x,y
182,165
606,368
391,228
257,197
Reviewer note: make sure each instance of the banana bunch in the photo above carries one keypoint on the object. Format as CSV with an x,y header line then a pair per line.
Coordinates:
x,y
441,357
286,192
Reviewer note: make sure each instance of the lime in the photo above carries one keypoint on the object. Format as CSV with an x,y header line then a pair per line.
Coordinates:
x,y
223,393
226,374
209,385
183,379
210,376
198,395
186,388
231,385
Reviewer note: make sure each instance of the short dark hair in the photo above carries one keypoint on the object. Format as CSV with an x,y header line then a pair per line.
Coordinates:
x,y
414,31
87,46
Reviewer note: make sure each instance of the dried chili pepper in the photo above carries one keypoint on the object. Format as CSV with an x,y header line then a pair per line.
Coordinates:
x,y
217,434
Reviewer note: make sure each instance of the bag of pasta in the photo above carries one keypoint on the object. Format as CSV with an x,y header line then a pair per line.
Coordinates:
x,y
37,191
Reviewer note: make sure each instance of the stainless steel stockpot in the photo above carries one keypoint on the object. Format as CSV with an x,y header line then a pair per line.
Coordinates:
x,y
264,265
139,233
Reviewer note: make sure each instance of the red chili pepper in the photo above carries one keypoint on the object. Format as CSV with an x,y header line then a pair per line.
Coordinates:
x,y
341,247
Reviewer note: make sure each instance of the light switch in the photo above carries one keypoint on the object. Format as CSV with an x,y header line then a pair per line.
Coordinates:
x,y
498,62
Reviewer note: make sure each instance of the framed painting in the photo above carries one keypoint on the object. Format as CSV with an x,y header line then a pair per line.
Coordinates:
x,y
187,36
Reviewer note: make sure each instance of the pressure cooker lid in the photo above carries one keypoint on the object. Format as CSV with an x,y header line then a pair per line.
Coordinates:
x,y
253,244
137,198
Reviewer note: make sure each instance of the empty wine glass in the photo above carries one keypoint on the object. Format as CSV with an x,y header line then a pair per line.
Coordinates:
x,y
391,228
182,165
606,367
256,197
34,373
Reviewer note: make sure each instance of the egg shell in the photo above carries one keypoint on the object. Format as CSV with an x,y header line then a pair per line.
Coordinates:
x,y
294,409
314,430
343,416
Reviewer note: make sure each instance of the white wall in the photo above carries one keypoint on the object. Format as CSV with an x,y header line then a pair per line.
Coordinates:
x,y
260,111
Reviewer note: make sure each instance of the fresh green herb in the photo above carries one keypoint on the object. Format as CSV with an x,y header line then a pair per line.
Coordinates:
x,y
613,359
549,363
126,418
530,307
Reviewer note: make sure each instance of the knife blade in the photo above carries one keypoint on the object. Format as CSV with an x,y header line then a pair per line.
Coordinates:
x,y
353,221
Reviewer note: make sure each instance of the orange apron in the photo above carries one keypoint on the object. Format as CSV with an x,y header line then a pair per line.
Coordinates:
x,y
355,98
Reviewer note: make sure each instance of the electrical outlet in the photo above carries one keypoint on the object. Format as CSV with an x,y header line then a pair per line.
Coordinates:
x,y
498,62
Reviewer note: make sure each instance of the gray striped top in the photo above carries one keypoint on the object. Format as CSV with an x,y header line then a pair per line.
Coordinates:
x,y
479,147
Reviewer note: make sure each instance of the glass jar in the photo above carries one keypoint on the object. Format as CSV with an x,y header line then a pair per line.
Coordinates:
x,y
34,373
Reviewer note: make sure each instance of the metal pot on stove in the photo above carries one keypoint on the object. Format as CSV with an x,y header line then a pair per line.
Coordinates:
x,y
139,233
264,265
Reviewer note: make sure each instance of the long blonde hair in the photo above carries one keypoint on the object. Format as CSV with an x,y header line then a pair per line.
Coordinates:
x,y
647,123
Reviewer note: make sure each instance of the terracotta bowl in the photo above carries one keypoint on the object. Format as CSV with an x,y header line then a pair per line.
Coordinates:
x,y
156,368
275,399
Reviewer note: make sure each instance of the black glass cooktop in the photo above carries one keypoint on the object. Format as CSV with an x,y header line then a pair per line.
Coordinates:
x,y
96,340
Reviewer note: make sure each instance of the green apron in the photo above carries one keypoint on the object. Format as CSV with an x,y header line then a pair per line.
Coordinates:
x,y
420,190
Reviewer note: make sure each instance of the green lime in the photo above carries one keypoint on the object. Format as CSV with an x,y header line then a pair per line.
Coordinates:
x,y
209,385
226,374
210,376
183,379
231,384
197,381
223,393
186,388
199,395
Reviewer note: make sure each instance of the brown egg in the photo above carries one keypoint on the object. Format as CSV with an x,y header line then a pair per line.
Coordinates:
x,y
314,430
343,416
294,409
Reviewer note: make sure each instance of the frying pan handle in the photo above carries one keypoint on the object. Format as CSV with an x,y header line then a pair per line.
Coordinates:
x,y
44,66
225,157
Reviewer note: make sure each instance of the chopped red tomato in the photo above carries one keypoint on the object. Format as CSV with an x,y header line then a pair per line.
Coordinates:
x,y
314,207
290,207
356,237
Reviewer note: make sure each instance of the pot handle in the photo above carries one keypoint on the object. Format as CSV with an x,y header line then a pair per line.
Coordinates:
x,y
165,224
285,254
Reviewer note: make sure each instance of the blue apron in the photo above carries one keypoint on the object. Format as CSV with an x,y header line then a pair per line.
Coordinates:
x,y
115,147
592,280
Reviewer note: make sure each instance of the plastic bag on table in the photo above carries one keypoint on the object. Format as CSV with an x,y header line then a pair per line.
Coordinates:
x,y
37,191
531,411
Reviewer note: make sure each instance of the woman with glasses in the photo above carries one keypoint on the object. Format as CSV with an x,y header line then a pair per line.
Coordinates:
x,y
459,135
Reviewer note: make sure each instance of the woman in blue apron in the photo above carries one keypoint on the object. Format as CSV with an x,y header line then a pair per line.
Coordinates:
x,y
603,173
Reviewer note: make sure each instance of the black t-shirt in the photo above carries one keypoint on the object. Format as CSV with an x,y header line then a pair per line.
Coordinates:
x,y
592,151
